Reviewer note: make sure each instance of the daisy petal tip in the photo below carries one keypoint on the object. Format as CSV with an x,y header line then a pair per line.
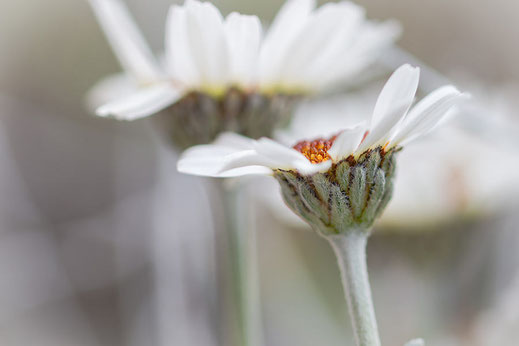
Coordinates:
x,y
409,70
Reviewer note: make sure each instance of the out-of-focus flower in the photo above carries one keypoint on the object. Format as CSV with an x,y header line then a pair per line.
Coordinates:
x,y
224,74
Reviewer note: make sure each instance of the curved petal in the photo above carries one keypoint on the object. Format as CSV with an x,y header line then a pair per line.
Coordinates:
x,y
179,60
215,160
281,156
126,40
268,153
427,114
223,159
308,168
229,155
235,141
288,22
208,42
111,88
346,143
249,170
398,93
143,103
370,41
331,26
392,104
245,158
244,38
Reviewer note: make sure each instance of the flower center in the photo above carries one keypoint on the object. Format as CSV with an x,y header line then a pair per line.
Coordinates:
x,y
316,151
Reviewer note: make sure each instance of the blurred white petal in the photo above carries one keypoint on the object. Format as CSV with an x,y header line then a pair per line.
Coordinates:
x,y
304,51
143,103
111,88
326,116
288,22
208,42
126,39
370,42
244,39
331,26
235,141
179,59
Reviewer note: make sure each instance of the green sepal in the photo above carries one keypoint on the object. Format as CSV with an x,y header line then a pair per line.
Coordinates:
x,y
350,195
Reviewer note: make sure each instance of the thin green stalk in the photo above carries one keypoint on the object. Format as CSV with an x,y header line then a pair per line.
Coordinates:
x,y
350,249
242,239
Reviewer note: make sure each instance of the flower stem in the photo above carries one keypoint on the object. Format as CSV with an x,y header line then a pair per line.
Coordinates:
x,y
242,237
350,248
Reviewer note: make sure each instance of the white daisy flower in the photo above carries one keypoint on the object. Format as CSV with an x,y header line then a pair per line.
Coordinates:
x,y
471,155
356,164
224,73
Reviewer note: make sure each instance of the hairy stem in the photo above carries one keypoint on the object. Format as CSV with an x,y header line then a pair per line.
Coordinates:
x,y
350,248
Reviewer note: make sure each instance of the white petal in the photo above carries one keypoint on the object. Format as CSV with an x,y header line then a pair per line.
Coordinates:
x,y
145,102
283,157
427,114
323,117
111,88
179,60
126,40
289,21
268,153
223,159
229,154
330,27
244,38
369,43
208,42
249,170
392,104
346,143
280,156
245,158
203,160
308,168
398,93
235,141
215,160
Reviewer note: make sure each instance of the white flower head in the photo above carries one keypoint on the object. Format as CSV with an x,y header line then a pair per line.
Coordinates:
x,y
392,125
305,50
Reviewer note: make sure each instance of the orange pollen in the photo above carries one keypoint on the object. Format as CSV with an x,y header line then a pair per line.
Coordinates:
x,y
316,151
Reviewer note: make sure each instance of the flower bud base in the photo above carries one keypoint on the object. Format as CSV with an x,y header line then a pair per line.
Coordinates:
x,y
350,195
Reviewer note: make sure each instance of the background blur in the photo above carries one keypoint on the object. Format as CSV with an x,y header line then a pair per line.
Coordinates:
x,y
103,243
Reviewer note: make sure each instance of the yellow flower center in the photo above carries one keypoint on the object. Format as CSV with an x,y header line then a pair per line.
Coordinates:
x,y
316,151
